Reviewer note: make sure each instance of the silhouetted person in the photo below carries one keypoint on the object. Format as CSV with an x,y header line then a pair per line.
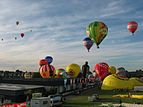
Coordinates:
x,y
85,69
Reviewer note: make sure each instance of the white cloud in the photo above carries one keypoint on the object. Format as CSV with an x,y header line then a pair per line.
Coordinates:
x,y
58,31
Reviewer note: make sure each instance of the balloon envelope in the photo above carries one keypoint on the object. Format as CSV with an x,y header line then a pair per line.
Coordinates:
x,y
132,26
17,22
22,35
45,71
121,72
102,70
73,70
49,59
87,42
112,70
43,62
61,73
97,31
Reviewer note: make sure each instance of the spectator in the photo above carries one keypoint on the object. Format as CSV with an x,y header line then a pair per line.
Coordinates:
x,y
85,69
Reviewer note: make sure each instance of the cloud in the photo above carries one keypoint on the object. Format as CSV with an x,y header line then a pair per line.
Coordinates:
x,y
58,28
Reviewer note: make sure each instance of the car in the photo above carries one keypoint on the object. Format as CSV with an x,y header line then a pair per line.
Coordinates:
x,y
55,100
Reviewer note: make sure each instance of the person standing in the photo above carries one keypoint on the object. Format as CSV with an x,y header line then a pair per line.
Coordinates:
x,y
85,69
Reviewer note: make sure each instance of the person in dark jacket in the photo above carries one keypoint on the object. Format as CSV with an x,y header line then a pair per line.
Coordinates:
x,y
85,69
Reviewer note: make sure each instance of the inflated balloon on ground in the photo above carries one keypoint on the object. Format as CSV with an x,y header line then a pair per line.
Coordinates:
x,y
112,69
73,70
43,62
61,73
49,59
121,72
102,70
47,71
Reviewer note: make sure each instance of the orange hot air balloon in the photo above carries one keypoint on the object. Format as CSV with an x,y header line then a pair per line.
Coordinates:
x,y
43,62
47,71
132,26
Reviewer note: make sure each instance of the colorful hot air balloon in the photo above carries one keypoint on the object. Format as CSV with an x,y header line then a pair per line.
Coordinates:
x,y
102,70
97,31
73,70
87,42
121,72
61,73
112,70
22,35
43,62
132,26
47,71
49,59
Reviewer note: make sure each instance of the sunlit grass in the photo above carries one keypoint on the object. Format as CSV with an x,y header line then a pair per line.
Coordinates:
x,y
105,97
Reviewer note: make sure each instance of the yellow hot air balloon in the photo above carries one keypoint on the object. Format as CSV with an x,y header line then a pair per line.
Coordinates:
x,y
73,70
112,82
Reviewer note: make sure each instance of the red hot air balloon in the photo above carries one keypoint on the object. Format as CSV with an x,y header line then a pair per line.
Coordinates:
x,y
22,35
87,42
43,62
132,26
102,70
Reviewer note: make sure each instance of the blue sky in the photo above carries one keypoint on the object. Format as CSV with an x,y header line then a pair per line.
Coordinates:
x,y
58,28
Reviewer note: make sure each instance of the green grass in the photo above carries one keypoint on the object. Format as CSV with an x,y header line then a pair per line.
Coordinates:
x,y
105,97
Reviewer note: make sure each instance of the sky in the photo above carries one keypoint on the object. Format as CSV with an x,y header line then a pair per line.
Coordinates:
x,y
58,29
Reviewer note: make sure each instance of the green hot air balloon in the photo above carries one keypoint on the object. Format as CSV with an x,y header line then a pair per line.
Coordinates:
x,y
97,31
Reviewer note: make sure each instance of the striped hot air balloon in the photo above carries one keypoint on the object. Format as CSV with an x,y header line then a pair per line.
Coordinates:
x,y
47,71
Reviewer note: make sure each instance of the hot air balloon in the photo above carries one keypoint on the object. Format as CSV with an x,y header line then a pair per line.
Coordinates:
x,y
47,71
22,35
121,72
61,73
132,26
112,70
15,38
87,42
73,70
49,59
102,70
17,22
43,62
97,31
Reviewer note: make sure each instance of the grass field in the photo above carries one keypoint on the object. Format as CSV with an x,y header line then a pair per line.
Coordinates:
x,y
105,97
